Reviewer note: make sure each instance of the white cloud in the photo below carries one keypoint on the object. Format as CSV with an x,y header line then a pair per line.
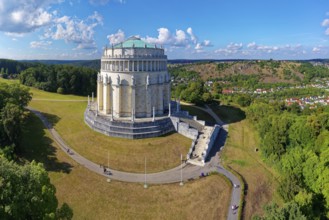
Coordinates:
x,y
316,50
117,37
234,46
198,46
23,16
80,32
180,38
40,44
325,22
164,37
96,17
104,2
207,43
193,37
252,45
10,34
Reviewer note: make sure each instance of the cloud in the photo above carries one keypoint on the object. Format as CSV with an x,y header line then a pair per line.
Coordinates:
x,y
117,37
231,48
164,37
40,44
193,37
24,16
316,50
10,34
325,22
264,48
234,46
104,2
74,30
198,46
207,43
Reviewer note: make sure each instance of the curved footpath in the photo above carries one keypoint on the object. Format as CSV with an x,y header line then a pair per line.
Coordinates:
x,y
168,176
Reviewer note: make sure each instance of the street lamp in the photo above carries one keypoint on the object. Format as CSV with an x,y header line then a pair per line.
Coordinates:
x,y
145,184
181,171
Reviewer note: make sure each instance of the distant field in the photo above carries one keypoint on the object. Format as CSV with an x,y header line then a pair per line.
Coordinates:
x,y
128,155
91,197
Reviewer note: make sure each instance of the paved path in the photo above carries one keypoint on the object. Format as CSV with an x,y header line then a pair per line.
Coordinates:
x,y
168,176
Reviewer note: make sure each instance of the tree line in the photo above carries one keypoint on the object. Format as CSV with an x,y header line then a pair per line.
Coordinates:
x,y
25,188
12,68
63,79
296,143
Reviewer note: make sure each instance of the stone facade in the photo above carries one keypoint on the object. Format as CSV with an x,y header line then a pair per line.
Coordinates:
x,y
133,80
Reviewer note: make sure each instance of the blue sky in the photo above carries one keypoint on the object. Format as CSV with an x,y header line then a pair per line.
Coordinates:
x,y
187,29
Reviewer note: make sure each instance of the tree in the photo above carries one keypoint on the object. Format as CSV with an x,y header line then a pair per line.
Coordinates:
x,y
26,191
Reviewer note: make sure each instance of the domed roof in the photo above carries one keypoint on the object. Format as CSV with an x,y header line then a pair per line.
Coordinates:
x,y
134,42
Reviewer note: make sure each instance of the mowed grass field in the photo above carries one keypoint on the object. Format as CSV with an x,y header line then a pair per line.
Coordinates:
x,y
239,154
91,197
161,153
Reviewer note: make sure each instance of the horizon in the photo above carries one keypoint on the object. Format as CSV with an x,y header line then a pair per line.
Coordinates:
x,y
75,30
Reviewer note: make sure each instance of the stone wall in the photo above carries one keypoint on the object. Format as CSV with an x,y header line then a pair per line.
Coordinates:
x,y
128,129
184,128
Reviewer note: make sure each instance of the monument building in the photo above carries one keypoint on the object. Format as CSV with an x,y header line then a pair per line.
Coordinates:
x,y
133,99
133,80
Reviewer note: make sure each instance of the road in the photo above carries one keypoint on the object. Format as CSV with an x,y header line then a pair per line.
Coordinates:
x,y
189,172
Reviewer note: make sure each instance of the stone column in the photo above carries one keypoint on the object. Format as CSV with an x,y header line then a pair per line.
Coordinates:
x,y
116,101
99,92
169,109
132,114
161,97
153,111
148,98
132,96
106,92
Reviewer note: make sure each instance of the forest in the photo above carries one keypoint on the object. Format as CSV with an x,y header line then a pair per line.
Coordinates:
x,y
296,143
25,188
63,79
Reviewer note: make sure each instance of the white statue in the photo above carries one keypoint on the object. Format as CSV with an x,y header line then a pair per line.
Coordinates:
x,y
99,77
148,80
118,79
109,80
132,80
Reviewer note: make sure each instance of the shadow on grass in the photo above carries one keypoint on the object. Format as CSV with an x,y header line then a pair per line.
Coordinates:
x,y
227,113
201,115
35,145
219,143
52,119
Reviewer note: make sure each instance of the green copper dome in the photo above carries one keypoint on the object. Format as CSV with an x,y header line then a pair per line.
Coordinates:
x,y
134,42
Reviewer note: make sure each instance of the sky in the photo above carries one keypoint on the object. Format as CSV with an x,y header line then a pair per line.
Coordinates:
x,y
187,29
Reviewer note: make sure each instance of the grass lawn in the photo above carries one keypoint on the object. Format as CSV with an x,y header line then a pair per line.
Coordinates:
x,y
128,155
91,197
239,154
